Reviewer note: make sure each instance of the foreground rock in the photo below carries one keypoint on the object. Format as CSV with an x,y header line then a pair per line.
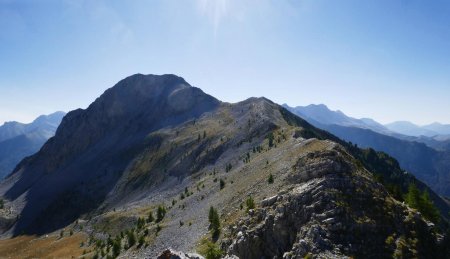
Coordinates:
x,y
171,254
332,210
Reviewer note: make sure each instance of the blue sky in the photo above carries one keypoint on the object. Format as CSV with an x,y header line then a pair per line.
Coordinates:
x,y
388,60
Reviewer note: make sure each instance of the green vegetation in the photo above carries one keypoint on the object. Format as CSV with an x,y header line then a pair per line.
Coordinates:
x,y
116,248
131,238
2,204
247,158
161,212
214,222
150,217
140,223
250,203
141,241
228,167
270,179
422,202
270,137
210,250
222,184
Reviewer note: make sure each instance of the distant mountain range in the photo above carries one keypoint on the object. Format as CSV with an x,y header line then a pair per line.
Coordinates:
x,y
427,158
321,114
19,140
411,129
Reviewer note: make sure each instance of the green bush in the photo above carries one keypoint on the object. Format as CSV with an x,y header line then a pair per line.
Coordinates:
x,y
210,250
161,212
150,217
222,184
270,179
422,202
250,203
141,241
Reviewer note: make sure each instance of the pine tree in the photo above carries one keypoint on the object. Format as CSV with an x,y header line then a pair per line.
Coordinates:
x,y
270,179
161,212
214,221
413,196
428,209
131,238
250,203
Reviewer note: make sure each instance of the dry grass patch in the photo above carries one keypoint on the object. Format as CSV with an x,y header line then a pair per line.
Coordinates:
x,y
43,247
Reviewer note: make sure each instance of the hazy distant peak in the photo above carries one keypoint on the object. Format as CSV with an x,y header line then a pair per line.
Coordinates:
x,y
318,106
321,114
410,129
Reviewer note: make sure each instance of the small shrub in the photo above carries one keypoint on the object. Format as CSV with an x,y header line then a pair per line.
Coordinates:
x,y
210,250
141,241
228,167
150,217
250,203
222,184
270,179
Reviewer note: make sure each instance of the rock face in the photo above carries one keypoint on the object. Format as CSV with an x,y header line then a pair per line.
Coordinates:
x,y
171,254
332,210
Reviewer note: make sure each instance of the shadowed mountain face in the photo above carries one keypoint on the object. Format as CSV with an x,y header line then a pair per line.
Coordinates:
x,y
154,140
91,148
18,140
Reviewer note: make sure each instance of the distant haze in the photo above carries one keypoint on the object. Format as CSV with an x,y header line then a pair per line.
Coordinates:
x,y
386,60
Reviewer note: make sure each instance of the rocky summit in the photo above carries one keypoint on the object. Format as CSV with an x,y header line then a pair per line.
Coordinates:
x,y
156,168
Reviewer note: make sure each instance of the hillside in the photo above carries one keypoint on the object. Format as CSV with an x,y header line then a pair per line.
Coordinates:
x,y
154,145
18,140
430,165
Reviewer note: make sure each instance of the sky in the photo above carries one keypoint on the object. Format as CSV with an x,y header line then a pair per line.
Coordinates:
x,y
383,59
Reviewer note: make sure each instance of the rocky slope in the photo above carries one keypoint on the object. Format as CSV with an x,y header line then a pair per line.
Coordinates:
x,y
332,209
154,143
